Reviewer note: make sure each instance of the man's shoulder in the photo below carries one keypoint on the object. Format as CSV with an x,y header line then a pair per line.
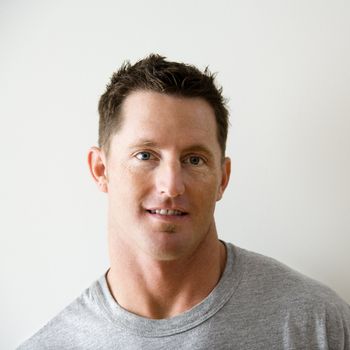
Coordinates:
x,y
270,274
72,323
269,280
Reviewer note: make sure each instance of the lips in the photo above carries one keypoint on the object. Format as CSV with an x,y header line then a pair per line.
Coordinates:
x,y
167,212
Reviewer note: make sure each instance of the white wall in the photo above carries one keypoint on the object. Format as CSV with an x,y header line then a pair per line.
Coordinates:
x,y
283,64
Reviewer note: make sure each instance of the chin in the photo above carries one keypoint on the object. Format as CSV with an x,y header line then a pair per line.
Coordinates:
x,y
167,247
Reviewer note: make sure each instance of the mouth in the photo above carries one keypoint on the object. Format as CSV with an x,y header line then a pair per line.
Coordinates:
x,y
167,212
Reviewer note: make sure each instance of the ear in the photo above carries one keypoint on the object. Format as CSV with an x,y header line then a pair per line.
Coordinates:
x,y
97,165
225,177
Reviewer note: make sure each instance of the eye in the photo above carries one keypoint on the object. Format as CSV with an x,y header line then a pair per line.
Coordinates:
x,y
143,155
194,160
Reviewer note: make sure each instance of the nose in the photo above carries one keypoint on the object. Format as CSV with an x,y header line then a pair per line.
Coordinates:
x,y
169,179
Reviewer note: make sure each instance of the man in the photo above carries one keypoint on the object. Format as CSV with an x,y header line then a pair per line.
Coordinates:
x,y
172,283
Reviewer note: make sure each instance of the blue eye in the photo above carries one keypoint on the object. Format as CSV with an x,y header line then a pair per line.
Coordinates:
x,y
143,155
194,160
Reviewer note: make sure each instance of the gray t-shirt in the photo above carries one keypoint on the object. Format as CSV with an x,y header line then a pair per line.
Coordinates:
x,y
258,303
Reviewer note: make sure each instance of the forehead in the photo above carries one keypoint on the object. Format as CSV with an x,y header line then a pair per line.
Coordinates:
x,y
148,113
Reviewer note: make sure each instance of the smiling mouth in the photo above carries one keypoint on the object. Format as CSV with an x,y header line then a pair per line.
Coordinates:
x,y
167,212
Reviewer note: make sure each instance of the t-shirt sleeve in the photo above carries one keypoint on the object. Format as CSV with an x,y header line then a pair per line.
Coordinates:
x,y
338,326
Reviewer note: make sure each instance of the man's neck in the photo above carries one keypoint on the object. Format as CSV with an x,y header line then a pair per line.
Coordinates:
x,y
163,289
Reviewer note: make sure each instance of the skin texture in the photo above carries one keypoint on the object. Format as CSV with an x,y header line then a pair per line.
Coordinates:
x,y
165,156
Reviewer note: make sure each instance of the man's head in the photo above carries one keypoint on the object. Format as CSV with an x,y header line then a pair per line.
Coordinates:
x,y
156,74
161,159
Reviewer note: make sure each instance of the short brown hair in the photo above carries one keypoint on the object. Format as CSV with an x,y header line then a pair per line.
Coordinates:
x,y
154,73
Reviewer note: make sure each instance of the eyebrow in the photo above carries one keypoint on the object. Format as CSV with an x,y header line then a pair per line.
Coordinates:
x,y
199,148
145,143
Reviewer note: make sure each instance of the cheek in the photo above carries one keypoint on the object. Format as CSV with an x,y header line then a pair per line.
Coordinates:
x,y
129,184
203,190
206,182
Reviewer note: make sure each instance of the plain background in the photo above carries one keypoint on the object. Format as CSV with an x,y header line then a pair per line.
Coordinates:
x,y
284,66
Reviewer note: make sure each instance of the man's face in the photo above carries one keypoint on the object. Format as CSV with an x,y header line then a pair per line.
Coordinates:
x,y
164,175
